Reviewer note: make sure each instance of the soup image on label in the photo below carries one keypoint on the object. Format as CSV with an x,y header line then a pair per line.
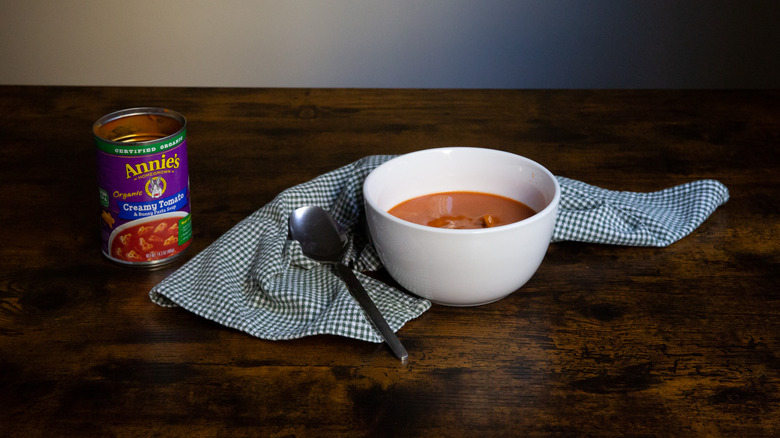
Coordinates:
x,y
152,239
462,210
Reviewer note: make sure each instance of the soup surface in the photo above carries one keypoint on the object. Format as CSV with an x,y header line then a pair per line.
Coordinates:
x,y
462,210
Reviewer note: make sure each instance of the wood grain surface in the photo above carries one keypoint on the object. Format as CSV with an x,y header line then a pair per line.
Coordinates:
x,y
603,341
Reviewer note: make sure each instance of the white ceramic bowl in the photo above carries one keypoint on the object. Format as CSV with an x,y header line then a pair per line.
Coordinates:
x,y
461,267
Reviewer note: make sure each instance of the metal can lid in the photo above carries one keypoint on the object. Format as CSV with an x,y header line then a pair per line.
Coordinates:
x,y
141,125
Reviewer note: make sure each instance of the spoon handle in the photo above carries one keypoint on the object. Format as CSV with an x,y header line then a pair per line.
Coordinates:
x,y
376,318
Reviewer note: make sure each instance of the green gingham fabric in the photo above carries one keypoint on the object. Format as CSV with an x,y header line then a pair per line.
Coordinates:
x,y
254,279
591,214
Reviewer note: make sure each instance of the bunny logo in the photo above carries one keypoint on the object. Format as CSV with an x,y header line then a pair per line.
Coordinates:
x,y
155,187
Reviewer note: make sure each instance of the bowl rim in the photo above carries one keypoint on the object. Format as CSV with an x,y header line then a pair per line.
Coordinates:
x,y
550,208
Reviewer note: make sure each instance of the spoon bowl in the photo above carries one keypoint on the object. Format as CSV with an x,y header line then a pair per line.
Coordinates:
x,y
318,233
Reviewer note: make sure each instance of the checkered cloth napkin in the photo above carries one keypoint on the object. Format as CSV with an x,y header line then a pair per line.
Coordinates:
x,y
256,280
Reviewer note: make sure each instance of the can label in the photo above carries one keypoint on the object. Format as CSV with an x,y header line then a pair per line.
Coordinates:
x,y
143,186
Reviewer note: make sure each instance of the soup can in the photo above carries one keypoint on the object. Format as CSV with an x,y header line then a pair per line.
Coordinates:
x,y
143,186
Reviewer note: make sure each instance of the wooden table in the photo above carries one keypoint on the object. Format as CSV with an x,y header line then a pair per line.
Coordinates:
x,y
603,341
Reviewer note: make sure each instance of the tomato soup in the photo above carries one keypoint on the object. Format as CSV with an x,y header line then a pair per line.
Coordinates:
x,y
462,210
151,240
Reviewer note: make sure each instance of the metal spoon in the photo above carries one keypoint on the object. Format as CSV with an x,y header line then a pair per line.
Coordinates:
x,y
321,240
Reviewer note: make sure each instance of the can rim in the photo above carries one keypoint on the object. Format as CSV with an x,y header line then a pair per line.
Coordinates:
x,y
139,111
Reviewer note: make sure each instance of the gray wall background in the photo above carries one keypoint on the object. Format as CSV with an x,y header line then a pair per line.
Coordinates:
x,y
392,43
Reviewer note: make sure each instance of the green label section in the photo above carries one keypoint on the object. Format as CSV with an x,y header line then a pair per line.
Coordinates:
x,y
103,197
133,149
185,229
